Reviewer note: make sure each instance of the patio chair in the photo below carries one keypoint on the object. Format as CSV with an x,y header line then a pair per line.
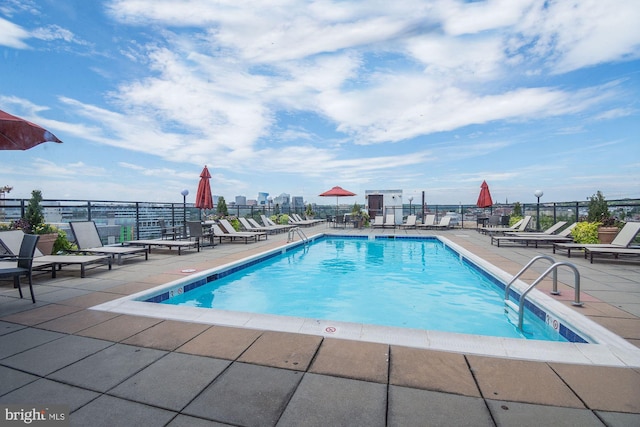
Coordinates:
x,y
428,220
411,222
616,252
12,239
389,221
249,227
548,232
195,230
88,241
518,226
257,227
231,237
268,223
24,264
444,223
378,221
167,232
246,235
536,238
622,241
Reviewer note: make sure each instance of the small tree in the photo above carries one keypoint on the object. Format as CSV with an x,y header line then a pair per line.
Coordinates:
x,y
221,209
517,209
599,209
34,214
309,212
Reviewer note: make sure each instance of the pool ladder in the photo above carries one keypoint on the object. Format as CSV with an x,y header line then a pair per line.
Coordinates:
x,y
553,268
292,234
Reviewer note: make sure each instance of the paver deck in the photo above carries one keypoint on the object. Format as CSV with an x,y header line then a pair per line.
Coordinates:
x,y
113,369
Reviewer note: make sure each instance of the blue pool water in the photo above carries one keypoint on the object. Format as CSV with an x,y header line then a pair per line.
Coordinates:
x,y
411,283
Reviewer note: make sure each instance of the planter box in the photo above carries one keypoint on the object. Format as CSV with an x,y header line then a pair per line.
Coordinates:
x,y
46,242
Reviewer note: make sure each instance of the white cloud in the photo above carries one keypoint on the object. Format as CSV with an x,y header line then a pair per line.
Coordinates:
x,y
582,33
12,35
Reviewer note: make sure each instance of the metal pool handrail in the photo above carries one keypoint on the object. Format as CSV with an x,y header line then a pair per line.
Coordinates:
x,y
553,268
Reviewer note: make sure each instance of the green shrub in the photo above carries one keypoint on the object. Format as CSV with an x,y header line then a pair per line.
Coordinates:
x,y
585,232
513,219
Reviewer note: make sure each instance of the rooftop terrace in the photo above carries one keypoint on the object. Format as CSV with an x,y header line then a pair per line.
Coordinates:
x,y
120,369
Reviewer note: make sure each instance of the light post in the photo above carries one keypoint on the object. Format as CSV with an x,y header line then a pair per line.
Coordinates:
x,y
538,194
184,193
410,201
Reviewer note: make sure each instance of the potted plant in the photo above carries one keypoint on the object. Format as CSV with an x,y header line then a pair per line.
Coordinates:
x,y
599,213
308,213
357,216
52,239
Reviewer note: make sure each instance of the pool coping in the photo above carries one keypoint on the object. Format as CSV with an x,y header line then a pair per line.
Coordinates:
x,y
610,349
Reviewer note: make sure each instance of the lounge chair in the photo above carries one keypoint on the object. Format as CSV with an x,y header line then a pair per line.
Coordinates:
x,y
549,231
616,252
429,220
622,241
299,222
378,222
170,244
444,223
220,233
389,221
411,222
518,226
88,241
246,235
536,238
267,222
268,228
12,239
249,227
22,265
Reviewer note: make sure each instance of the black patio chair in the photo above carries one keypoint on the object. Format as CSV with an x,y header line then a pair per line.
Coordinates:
x,y
196,230
167,232
24,264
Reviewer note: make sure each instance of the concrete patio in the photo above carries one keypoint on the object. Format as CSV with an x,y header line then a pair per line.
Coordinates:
x,y
113,369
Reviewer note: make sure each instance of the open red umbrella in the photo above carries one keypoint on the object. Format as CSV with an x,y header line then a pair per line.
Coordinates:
x,y
20,134
337,192
484,199
204,200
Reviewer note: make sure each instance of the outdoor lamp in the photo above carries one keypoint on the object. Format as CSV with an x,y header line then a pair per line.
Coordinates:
x,y
538,194
410,201
184,193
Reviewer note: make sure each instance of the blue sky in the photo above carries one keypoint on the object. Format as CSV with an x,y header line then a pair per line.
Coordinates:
x,y
296,97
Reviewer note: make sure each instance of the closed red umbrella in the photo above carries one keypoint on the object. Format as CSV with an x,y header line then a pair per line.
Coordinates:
x,y
204,200
484,199
20,134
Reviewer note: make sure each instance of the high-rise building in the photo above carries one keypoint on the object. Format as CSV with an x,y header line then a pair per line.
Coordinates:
x,y
263,198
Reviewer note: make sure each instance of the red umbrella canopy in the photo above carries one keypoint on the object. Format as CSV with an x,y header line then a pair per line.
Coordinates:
x,y
484,199
204,200
20,134
338,192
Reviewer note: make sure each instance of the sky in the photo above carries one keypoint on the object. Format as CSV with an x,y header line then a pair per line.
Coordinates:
x,y
295,97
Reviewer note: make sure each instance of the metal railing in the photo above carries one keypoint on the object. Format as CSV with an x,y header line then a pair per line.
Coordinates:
x,y
552,269
140,220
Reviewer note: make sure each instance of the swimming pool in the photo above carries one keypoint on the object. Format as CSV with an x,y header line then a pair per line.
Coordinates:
x,y
408,283
604,348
